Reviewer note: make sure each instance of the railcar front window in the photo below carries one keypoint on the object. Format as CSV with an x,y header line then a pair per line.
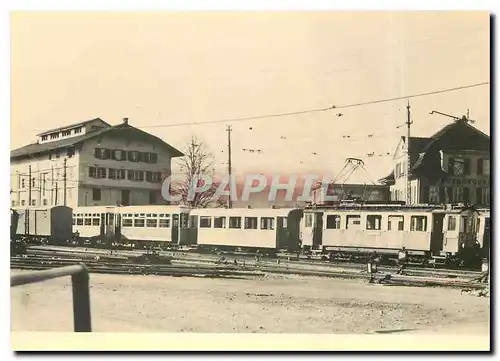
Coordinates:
x,y
267,223
205,222
308,220
219,222
250,222
333,221
353,221
395,223
373,222
234,222
418,223
452,223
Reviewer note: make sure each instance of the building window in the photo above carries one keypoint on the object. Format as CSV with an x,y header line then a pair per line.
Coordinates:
x,y
486,167
396,223
452,223
458,194
96,194
205,222
44,137
234,222
480,166
373,222
219,222
97,172
45,202
70,152
425,194
134,156
135,175
418,223
151,158
268,222
466,166
433,194
456,166
23,202
486,196
152,197
102,153
116,173
78,130
333,221
13,203
250,222
118,154
65,133
466,194
54,136
33,202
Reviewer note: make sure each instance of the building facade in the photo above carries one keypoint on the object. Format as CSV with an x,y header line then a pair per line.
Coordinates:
x,y
452,166
89,164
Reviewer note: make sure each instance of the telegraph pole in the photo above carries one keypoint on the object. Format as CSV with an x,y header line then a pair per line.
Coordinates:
x,y
229,169
29,186
64,180
408,165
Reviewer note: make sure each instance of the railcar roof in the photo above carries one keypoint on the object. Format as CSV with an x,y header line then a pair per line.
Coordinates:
x,y
248,212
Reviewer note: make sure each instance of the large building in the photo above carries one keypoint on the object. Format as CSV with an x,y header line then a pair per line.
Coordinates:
x,y
452,166
91,163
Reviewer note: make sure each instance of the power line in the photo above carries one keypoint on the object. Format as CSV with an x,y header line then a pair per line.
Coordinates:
x,y
317,110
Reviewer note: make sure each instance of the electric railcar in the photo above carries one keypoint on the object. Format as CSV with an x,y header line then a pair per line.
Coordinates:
x,y
425,232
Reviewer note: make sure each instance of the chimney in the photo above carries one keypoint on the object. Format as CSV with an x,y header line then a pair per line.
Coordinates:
x,y
125,121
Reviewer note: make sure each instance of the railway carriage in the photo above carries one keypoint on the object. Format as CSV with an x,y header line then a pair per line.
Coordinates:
x,y
134,226
425,232
43,224
265,230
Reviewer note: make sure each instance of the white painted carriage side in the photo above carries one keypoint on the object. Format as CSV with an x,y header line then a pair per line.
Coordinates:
x,y
241,236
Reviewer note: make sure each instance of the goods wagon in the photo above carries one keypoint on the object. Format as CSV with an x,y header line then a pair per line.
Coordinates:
x,y
267,230
44,224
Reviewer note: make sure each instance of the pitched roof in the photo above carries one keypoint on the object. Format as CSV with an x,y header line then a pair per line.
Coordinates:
x,y
73,126
36,148
459,135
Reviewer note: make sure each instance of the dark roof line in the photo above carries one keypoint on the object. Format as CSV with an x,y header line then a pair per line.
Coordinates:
x,y
35,148
72,126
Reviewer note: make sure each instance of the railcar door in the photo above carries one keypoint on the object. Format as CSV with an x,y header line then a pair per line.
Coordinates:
x,y
175,228
318,230
437,233
118,227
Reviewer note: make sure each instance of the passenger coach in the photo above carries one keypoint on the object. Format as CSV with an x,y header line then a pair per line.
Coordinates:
x,y
266,230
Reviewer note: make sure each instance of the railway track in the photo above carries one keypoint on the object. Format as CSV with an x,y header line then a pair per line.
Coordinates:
x,y
196,258
208,268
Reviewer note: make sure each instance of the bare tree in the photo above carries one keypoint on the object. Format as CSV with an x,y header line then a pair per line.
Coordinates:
x,y
197,163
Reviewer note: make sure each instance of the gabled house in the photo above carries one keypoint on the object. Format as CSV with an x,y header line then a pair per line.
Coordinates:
x,y
452,166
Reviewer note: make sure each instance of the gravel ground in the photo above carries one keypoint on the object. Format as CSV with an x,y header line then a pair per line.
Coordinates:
x,y
275,304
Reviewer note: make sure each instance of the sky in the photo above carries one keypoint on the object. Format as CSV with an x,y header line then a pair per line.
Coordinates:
x,y
162,69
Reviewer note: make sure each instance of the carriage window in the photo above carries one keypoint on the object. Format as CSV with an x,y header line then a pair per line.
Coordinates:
x,y
95,221
373,222
88,221
234,222
353,221
205,222
164,223
151,222
308,220
418,223
250,222
452,223
193,221
219,222
139,222
127,222
284,222
267,223
79,221
74,221
396,223
184,220
333,221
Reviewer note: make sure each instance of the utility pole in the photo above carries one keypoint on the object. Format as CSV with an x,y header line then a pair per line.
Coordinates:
x,y
229,169
29,186
64,180
408,165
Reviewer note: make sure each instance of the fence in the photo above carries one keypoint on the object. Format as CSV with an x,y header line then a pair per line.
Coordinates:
x,y
80,285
